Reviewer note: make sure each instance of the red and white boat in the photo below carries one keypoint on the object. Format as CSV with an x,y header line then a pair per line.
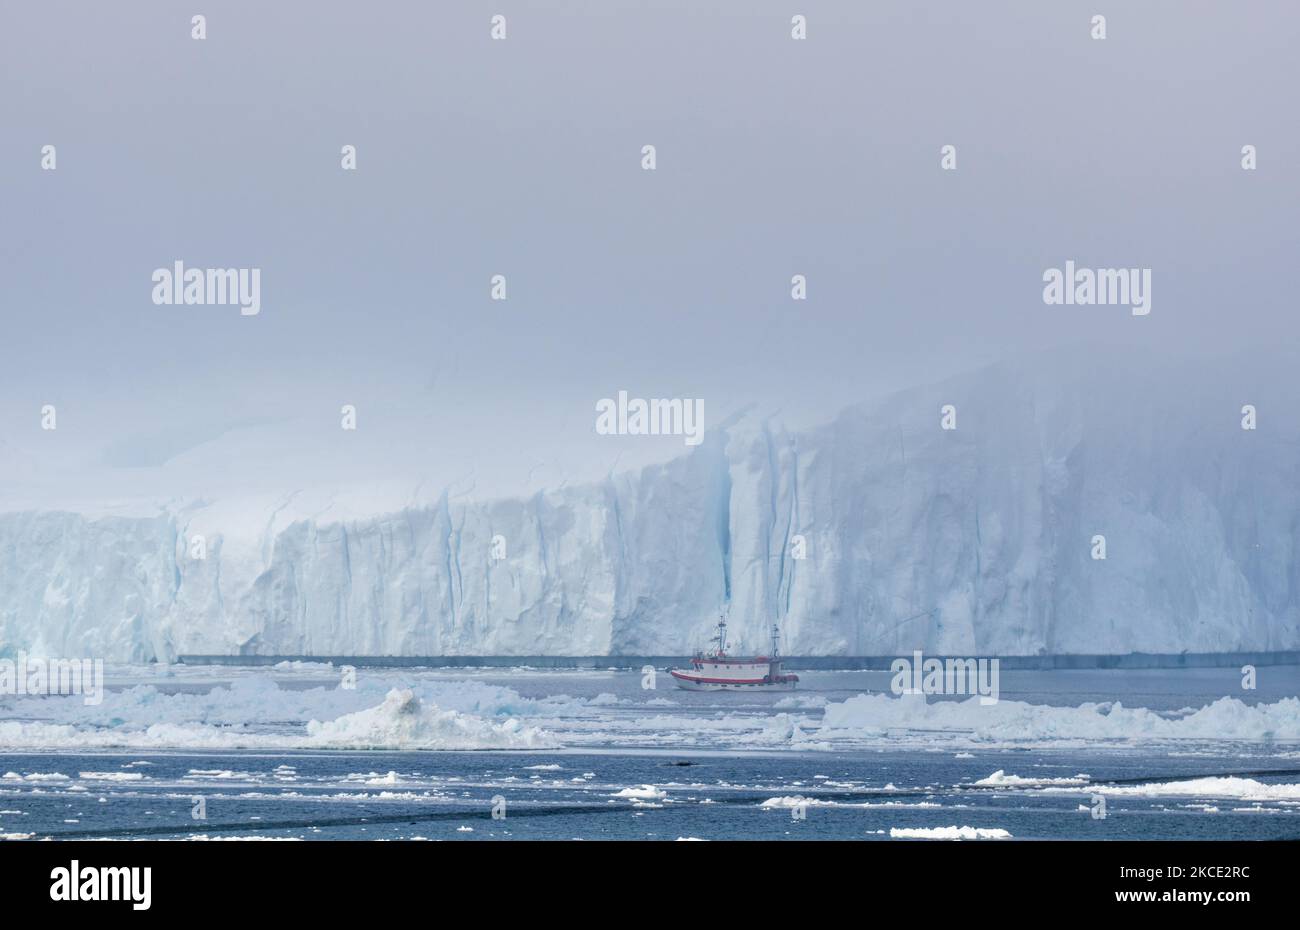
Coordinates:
x,y
714,670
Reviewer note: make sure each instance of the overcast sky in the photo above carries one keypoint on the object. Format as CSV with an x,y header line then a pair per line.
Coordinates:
x,y
523,158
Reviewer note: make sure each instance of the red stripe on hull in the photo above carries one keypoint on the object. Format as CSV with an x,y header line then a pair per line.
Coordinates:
x,y
733,681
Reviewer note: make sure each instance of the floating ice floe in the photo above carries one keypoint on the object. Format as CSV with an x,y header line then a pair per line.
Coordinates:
x,y
948,833
402,721
643,793
1218,786
392,778
799,801
1000,777
1244,789
217,773
869,716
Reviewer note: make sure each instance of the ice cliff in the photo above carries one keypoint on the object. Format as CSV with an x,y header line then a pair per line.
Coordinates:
x,y
874,534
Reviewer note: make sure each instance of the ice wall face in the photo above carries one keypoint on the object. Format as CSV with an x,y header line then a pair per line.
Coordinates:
x,y
973,540
70,586
990,525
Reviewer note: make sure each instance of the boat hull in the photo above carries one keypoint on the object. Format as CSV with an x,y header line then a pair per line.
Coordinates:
x,y
694,681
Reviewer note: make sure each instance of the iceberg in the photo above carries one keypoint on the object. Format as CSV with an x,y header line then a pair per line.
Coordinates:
x,y
877,533
402,721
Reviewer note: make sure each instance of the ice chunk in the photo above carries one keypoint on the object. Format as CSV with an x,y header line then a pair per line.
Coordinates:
x,y
948,833
402,721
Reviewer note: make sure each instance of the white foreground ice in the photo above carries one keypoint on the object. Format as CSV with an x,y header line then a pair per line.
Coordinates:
x,y
403,722
641,793
305,708
1216,786
400,722
1244,789
948,833
799,801
876,715
1002,779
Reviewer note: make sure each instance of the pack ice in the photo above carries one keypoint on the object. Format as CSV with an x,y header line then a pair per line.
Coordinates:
x,y
874,534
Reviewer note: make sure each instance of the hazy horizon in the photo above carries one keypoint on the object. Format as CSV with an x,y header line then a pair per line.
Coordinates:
x,y
523,158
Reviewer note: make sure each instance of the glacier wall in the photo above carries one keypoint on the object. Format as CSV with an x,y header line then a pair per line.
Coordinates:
x,y
973,540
